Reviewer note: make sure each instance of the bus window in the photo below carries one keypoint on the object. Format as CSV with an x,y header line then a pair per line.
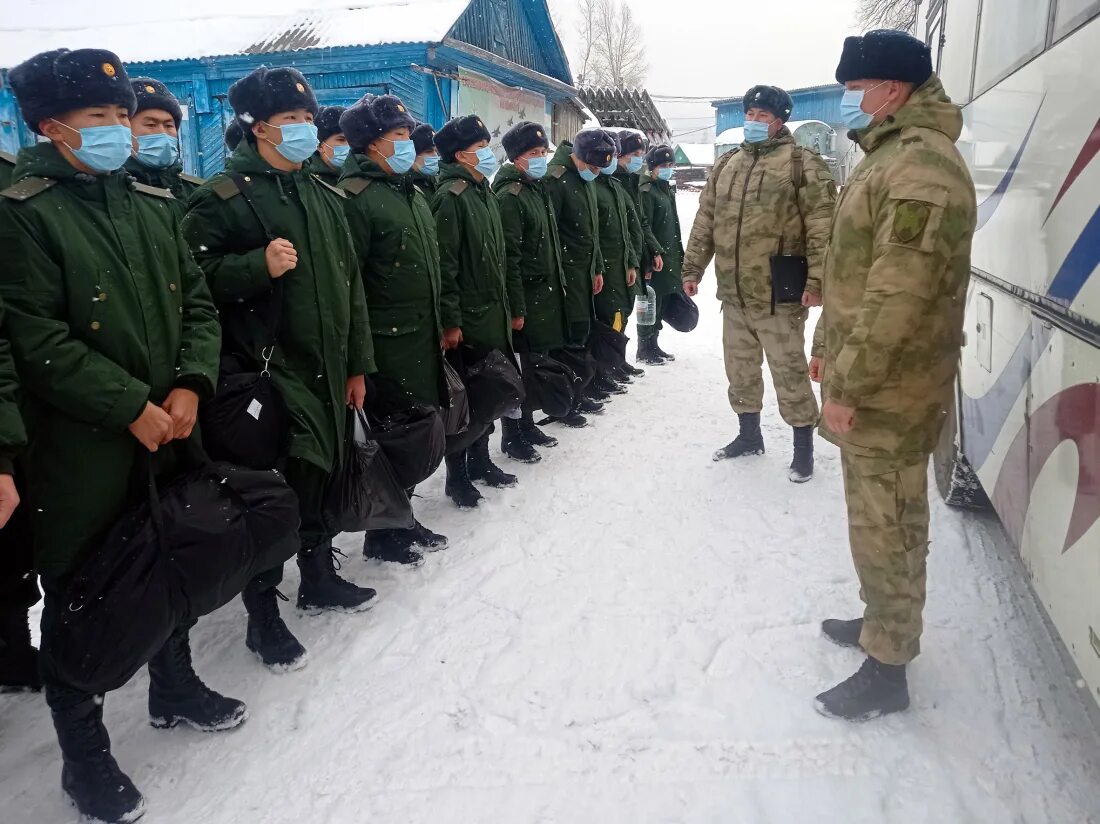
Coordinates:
x,y
959,21
1010,33
1072,13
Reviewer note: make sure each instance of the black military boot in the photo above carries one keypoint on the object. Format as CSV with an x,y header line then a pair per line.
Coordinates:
x,y
749,442
514,445
607,384
392,546
533,435
18,659
481,467
876,689
177,694
661,353
802,466
458,487
587,406
574,420
424,537
633,371
621,376
647,352
843,633
322,589
592,392
90,776
268,636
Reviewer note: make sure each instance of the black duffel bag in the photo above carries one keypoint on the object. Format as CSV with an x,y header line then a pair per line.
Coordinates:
x,y
246,422
680,312
581,364
413,440
365,493
188,550
456,418
493,385
608,346
550,385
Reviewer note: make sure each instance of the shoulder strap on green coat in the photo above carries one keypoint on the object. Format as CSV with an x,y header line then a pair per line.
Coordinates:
x,y
197,181
27,188
645,187
330,187
556,172
355,185
226,188
458,187
155,191
515,188
8,157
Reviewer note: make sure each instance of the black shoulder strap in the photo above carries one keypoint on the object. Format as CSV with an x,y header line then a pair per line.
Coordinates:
x,y
797,161
275,310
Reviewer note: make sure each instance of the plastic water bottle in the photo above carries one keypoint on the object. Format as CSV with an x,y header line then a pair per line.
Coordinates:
x,y
645,307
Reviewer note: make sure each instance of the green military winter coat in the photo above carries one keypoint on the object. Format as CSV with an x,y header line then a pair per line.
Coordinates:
x,y
427,184
106,311
751,209
659,213
394,233
651,246
620,243
534,257
896,277
574,204
316,165
13,436
171,178
477,287
324,337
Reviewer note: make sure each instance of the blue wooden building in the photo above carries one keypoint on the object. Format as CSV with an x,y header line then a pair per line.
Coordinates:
x,y
811,103
501,59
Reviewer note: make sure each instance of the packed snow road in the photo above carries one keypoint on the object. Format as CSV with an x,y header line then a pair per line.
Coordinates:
x,y
631,635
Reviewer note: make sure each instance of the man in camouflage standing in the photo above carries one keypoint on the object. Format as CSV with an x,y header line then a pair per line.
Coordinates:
x,y
887,347
767,197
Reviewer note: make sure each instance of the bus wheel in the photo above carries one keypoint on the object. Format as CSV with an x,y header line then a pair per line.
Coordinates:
x,y
955,477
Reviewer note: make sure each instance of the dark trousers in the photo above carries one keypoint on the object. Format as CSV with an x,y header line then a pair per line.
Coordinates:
x,y
309,483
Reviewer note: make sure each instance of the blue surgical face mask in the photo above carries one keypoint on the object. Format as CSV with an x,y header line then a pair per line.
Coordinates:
x,y
634,165
851,108
610,168
299,141
103,148
666,174
755,131
536,167
403,157
158,151
487,162
587,175
339,155
430,166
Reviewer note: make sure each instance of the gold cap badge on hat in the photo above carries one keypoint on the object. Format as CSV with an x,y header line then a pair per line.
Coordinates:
x,y
300,87
109,70
401,108
480,125
150,89
539,133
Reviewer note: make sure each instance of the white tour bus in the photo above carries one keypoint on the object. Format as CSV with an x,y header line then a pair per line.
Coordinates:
x,y
1026,433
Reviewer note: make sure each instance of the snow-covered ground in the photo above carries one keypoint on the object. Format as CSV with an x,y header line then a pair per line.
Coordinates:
x,y
631,635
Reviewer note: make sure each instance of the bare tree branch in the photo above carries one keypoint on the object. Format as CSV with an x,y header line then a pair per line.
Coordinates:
x,y
586,29
888,14
618,46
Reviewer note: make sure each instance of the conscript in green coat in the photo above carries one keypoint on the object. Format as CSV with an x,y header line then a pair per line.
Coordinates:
x,y
156,160
620,244
659,213
266,219
478,289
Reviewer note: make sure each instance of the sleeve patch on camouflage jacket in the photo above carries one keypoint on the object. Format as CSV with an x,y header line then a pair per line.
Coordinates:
x,y
910,220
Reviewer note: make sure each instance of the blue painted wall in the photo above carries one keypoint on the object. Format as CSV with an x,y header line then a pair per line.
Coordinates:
x,y
809,104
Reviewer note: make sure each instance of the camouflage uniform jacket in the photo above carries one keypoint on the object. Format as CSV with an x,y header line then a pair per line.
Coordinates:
x,y
750,210
896,275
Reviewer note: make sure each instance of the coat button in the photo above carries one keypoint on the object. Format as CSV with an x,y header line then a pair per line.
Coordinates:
x,y
394,330
103,296
397,264
95,325
172,287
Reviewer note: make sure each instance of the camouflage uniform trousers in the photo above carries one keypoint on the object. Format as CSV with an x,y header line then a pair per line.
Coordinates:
x,y
748,334
888,531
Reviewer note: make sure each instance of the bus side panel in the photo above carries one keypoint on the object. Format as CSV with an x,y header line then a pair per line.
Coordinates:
x,y
1060,540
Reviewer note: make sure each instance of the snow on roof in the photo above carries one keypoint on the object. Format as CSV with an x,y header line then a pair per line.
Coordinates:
x,y
698,154
214,33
